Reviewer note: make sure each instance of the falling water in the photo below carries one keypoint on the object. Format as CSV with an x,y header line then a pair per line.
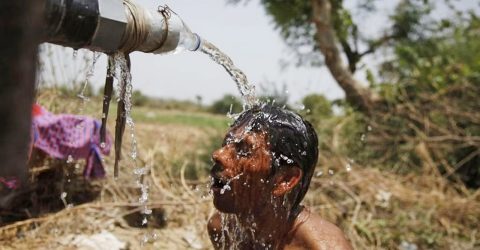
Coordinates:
x,y
90,72
244,87
90,61
124,85
236,235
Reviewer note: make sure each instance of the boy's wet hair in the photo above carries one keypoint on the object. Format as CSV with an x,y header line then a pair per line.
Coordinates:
x,y
291,139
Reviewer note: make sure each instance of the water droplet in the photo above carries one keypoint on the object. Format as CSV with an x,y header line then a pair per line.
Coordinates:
x,y
319,173
140,171
348,167
331,172
224,188
147,211
63,195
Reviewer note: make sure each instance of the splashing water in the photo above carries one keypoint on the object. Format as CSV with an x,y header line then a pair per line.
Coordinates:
x,y
237,235
227,185
246,90
124,80
121,72
90,72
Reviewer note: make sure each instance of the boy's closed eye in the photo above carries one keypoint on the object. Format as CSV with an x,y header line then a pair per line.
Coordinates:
x,y
243,148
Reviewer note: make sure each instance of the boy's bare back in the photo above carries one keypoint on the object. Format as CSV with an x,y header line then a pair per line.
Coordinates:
x,y
310,231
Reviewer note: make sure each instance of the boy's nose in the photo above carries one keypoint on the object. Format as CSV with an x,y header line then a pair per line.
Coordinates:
x,y
217,154
221,155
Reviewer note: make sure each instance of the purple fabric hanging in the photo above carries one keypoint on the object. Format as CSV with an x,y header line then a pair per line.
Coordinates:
x,y
65,136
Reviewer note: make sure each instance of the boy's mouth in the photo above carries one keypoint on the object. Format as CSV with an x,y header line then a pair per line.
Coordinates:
x,y
217,180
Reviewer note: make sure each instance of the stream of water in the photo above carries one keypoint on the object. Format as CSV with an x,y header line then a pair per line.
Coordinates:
x,y
124,85
247,91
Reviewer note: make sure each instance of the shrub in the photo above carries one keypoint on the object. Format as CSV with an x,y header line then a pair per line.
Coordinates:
x,y
227,104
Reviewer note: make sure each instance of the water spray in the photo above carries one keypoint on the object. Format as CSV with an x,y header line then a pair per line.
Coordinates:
x,y
110,26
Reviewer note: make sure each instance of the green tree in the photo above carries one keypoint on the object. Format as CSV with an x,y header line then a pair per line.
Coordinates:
x,y
423,109
227,104
324,31
317,108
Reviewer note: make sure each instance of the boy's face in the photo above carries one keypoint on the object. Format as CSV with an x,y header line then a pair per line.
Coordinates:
x,y
241,171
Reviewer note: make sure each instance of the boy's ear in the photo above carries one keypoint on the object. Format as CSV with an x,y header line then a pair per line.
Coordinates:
x,y
286,179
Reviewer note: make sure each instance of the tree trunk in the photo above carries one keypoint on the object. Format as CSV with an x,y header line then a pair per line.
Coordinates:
x,y
20,25
358,96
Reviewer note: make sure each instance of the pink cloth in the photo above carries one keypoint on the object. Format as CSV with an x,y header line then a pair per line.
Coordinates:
x,y
66,136
10,183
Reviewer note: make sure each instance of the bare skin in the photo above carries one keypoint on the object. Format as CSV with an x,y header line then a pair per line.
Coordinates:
x,y
255,204
309,231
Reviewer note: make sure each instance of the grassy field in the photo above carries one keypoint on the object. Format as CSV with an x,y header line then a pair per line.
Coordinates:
x,y
377,209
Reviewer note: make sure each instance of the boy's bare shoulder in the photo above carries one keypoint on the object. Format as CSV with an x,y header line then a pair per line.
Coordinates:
x,y
214,227
214,223
314,232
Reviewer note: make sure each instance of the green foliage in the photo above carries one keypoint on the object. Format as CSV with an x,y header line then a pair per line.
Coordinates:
x,y
138,99
432,87
317,108
429,88
227,104
409,19
435,62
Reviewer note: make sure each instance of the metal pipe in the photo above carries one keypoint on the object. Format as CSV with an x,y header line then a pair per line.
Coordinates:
x,y
115,25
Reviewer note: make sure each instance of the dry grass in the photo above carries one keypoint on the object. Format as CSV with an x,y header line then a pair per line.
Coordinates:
x,y
181,200
376,209
380,210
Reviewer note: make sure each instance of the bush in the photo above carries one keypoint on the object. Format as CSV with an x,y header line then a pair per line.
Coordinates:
x,y
227,104
138,99
317,107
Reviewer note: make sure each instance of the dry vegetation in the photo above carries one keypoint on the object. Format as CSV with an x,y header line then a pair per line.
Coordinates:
x,y
377,209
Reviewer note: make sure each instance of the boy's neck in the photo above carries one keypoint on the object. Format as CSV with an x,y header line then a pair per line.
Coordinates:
x,y
267,227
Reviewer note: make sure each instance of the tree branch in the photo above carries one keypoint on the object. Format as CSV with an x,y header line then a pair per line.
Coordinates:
x,y
376,44
357,95
352,56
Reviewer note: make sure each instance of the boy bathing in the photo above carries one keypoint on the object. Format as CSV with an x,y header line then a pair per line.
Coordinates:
x,y
260,175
